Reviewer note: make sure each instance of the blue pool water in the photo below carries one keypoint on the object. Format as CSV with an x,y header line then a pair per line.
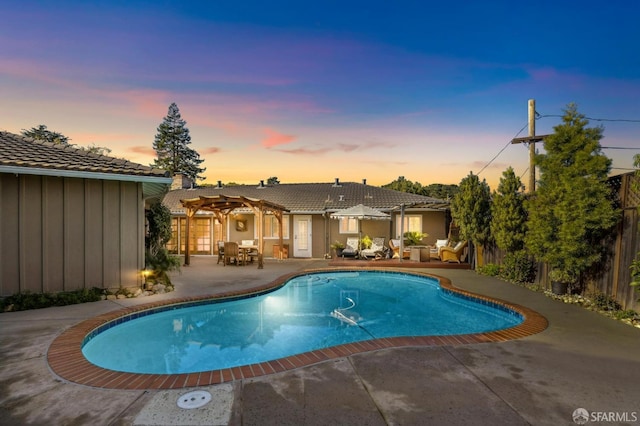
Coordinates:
x,y
309,312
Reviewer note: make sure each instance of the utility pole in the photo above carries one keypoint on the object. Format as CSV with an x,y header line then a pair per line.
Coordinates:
x,y
532,146
531,140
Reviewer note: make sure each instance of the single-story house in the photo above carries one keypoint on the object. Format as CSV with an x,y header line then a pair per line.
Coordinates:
x,y
70,219
308,229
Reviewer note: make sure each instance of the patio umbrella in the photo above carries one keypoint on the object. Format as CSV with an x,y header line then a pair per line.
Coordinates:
x,y
361,212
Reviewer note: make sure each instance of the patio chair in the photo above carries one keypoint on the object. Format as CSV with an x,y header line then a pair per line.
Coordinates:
x,y
231,253
352,247
453,254
394,245
434,251
220,251
376,249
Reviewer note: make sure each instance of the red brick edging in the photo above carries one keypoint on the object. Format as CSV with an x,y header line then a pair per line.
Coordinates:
x,y
66,360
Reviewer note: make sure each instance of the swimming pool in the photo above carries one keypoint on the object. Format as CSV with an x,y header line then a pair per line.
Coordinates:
x,y
309,312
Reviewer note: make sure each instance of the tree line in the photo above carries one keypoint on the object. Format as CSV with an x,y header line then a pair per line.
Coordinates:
x,y
563,224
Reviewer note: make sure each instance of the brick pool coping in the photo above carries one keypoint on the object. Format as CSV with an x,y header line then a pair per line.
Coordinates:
x,y
66,360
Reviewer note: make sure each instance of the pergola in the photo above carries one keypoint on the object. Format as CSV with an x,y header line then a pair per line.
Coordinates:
x,y
221,205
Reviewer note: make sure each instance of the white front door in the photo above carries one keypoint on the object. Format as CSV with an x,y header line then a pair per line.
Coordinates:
x,y
302,236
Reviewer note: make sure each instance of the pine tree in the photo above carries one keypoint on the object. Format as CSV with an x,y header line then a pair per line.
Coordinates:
x,y
508,215
42,133
571,212
171,146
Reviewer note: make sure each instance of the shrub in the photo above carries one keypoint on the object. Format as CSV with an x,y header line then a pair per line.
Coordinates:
x,y
490,269
27,300
414,237
627,314
517,267
605,302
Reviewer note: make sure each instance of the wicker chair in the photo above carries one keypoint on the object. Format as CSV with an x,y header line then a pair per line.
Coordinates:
x,y
394,245
453,254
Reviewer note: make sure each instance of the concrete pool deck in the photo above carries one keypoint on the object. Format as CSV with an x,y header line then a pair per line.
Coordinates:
x,y
582,360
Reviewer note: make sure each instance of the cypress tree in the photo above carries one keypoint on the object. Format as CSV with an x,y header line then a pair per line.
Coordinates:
x,y
471,211
508,215
571,212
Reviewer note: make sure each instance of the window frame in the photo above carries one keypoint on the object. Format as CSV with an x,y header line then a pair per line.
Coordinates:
x,y
273,227
408,221
345,222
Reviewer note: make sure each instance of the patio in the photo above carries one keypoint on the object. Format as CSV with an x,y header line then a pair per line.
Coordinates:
x,y
582,359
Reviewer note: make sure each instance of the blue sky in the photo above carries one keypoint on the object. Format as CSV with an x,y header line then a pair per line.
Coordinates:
x,y
310,92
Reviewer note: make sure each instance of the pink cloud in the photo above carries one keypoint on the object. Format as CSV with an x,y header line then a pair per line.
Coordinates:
x,y
348,147
210,150
306,151
274,138
142,150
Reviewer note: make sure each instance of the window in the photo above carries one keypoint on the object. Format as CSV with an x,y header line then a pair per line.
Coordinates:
x,y
200,238
272,227
349,225
411,223
172,245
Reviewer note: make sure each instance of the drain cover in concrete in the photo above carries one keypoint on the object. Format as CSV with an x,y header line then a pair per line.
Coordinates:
x,y
164,408
195,399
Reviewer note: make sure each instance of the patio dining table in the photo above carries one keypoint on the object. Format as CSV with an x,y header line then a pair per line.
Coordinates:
x,y
244,250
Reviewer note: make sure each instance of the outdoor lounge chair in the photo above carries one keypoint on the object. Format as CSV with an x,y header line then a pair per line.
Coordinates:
x,y
453,254
376,249
352,247
394,245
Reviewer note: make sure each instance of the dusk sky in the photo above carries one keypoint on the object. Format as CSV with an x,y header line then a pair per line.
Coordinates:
x,y
312,91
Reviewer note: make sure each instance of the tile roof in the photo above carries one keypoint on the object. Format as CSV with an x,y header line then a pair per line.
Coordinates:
x,y
20,151
309,197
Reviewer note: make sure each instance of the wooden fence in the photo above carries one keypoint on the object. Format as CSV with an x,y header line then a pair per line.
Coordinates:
x,y
615,274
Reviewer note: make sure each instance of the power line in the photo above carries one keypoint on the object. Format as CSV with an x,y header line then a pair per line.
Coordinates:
x,y
505,147
620,147
591,118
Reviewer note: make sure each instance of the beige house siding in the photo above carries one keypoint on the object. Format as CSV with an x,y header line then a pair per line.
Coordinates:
x,y
325,231
434,223
65,233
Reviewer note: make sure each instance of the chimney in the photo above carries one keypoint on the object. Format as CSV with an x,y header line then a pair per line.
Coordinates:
x,y
219,184
261,184
181,182
364,181
337,183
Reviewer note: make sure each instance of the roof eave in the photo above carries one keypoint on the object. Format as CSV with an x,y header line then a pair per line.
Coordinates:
x,y
85,175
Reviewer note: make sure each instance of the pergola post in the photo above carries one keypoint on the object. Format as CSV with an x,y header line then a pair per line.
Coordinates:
x,y
261,238
187,250
280,239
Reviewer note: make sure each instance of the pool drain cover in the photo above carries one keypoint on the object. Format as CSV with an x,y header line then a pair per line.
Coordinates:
x,y
195,399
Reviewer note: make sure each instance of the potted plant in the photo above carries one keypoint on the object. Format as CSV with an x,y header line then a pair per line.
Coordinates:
x,y
337,247
365,242
560,280
414,238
